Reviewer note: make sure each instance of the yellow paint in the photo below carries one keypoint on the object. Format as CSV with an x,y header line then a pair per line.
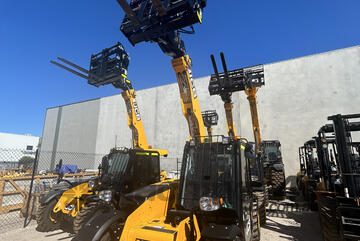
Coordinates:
x,y
228,106
189,101
72,196
251,93
134,119
199,16
148,221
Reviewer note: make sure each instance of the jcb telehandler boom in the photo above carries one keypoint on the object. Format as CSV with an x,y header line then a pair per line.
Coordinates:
x,y
193,207
120,169
224,84
250,80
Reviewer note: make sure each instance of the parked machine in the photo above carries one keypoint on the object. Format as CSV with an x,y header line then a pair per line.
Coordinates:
x,y
309,176
224,84
338,195
213,198
274,171
271,174
119,169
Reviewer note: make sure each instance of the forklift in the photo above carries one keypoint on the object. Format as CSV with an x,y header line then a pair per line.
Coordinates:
x,y
309,175
339,197
119,171
224,84
213,198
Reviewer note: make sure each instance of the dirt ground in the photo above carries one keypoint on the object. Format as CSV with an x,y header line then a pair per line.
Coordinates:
x,y
286,220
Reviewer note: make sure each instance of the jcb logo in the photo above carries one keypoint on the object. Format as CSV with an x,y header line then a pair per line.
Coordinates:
x,y
182,77
192,84
137,111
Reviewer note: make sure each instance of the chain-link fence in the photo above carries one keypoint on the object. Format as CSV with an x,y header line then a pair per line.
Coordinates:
x,y
23,172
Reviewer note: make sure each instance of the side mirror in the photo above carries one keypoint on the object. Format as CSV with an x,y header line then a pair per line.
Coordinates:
x,y
104,164
249,151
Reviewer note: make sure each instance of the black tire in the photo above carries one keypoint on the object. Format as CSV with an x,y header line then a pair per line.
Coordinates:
x,y
278,183
44,216
114,232
255,224
87,212
106,237
261,207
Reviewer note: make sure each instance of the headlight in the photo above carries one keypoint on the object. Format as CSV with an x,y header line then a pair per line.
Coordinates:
x,y
209,204
91,183
225,140
105,195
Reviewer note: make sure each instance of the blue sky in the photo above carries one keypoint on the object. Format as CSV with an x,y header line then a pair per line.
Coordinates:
x,y
248,32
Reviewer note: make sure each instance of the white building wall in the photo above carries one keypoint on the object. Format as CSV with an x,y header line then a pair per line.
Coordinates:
x,y
297,97
14,146
16,141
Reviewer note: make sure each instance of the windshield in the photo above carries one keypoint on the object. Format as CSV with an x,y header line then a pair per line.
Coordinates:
x,y
118,162
270,149
208,172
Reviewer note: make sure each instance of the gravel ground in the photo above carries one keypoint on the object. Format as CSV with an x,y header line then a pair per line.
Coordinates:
x,y
286,220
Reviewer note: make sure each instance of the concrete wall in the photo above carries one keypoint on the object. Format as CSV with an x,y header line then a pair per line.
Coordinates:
x,y
300,93
297,97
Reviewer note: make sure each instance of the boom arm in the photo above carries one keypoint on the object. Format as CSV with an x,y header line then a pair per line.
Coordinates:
x,y
189,101
246,79
251,93
160,22
226,97
110,67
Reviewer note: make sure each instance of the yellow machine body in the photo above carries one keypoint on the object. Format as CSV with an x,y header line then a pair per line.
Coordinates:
x,y
134,119
189,99
148,221
73,197
228,107
251,93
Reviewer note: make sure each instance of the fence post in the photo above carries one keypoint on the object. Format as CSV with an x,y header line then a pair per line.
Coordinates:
x,y
2,188
31,186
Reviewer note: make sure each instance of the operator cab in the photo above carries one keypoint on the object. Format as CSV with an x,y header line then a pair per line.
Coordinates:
x,y
215,183
271,151
120,170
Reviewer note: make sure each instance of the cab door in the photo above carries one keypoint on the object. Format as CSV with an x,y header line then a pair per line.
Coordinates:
x,y
146,169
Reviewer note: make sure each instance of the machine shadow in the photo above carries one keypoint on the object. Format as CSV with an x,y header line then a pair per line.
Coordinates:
x,y
297,225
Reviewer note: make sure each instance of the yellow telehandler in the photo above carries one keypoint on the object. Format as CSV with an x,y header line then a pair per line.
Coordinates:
x,y
213,198
76,203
